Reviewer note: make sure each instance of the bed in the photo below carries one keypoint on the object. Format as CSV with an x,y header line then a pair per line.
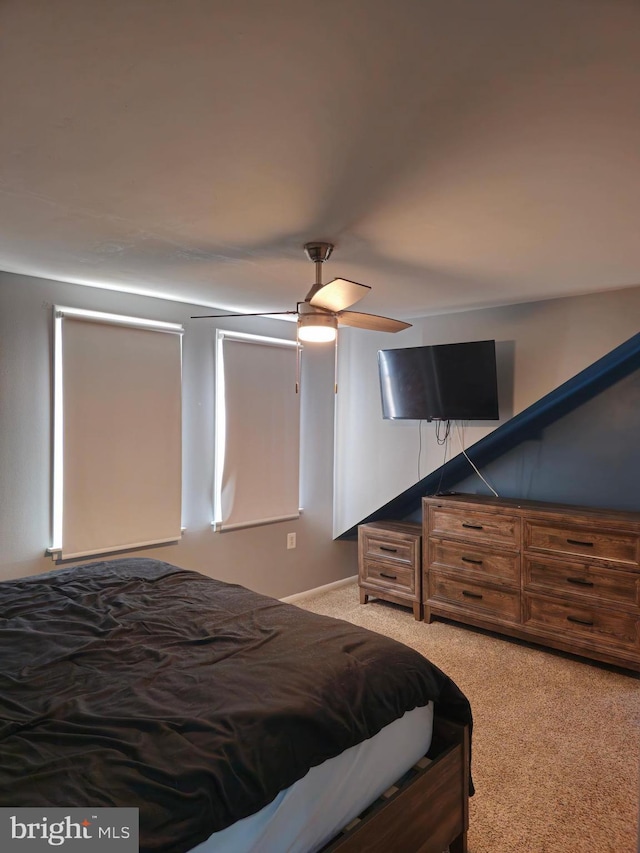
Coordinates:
x,y
232,721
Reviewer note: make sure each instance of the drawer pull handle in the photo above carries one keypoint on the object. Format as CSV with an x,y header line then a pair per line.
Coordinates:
x,y
580,621
580,581
468,594
472,526
386,548
390,577
469,560
579,542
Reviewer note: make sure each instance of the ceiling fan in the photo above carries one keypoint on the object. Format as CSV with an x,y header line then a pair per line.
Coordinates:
x,y
324,306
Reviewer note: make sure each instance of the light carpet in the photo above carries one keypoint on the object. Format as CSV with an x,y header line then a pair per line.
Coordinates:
x,y
556,745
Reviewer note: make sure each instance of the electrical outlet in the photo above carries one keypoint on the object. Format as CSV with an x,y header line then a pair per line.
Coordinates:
x,y
291,540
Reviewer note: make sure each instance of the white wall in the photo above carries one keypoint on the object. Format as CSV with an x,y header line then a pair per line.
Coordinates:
x,y
255,557
539,346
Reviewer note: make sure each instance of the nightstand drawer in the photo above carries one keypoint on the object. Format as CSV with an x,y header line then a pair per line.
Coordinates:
x,y
614,545
501,603
582,580
382,546
581,620
474,558
389,576
472,526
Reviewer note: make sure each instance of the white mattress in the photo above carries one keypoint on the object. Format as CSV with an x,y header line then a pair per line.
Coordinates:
x,y
304,817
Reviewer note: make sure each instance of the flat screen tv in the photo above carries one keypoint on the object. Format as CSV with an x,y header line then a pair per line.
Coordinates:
x,y
440,382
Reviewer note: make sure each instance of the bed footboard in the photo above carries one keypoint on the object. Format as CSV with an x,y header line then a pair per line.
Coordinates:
x,y
427,811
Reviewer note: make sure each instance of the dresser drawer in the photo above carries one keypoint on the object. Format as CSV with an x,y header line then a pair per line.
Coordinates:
x,y
388,576
475,559
383,546
582,580
597,544
472,526
580,620
484,600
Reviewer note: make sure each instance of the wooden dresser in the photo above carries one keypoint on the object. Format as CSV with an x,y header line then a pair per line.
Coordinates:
x,y
389,555
563,576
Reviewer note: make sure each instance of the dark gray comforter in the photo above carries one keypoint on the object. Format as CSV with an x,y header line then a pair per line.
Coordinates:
x,y
135,683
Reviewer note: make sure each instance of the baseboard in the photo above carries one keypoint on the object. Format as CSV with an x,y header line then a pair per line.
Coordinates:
x,y
298,596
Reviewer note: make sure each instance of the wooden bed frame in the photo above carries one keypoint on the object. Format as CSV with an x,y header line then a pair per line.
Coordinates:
x,y
425,811
428,812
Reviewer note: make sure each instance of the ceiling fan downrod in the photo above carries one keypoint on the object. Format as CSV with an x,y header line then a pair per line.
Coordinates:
x,y
317,252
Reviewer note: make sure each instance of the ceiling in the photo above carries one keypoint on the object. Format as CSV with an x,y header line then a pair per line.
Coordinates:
x,y
458,153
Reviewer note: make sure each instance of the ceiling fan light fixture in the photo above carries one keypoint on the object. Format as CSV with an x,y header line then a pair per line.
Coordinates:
x,y
318,313
317,328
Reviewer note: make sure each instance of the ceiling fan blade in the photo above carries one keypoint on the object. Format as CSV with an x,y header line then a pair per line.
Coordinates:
x,y
259,314
373,322
339,294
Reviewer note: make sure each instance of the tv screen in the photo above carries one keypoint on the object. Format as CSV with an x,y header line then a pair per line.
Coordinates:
x,y
440,382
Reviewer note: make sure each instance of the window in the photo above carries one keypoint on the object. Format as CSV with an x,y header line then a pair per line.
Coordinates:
x,y
257,422
117,433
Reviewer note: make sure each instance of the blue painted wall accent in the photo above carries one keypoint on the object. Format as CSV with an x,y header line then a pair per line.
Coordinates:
x,y
580,445
590,457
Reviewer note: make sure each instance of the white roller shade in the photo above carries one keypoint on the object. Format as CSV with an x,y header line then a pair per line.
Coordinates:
x,y
118,435
257,431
